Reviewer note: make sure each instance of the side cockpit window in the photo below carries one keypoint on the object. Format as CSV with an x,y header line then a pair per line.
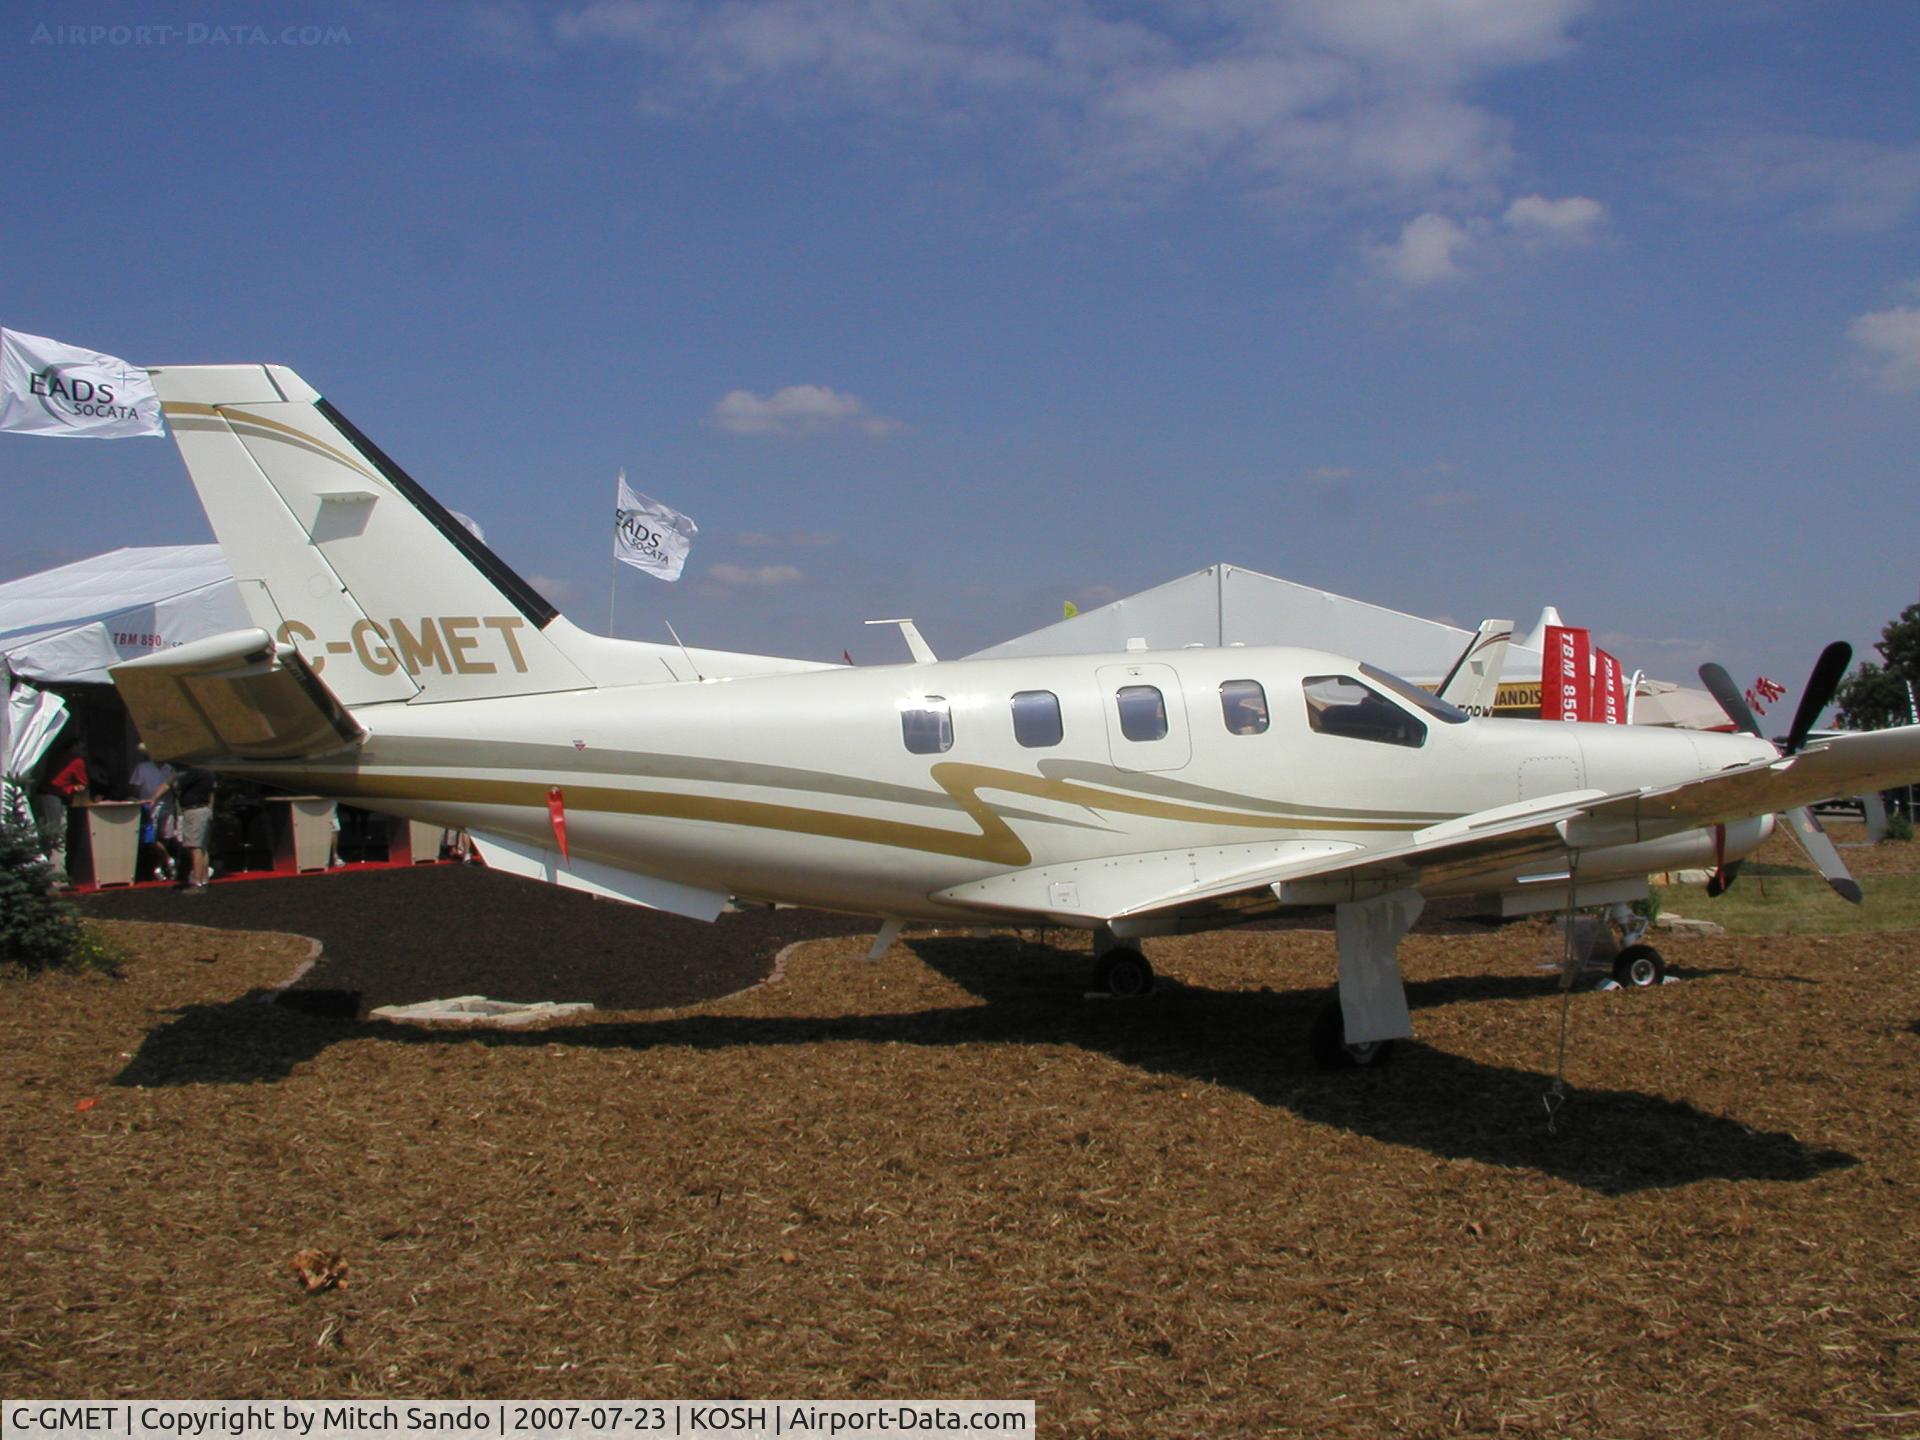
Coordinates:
x,y
1036,718
1243,705
926,724
1341,705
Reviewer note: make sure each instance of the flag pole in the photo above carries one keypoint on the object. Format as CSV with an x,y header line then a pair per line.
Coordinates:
x,y
613,580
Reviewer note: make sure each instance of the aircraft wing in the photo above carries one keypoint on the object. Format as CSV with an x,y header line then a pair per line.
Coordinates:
x,y
1489,843
1838,765
1172,881
234,697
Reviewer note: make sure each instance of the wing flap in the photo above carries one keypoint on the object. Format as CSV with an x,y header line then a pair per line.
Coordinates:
x,y
234,698
1118,885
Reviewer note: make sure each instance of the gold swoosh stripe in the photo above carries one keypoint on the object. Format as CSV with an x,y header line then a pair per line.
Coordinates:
x,y
258,425
996,843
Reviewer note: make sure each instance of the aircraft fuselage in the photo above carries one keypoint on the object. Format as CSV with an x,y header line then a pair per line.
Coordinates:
x,y
875,789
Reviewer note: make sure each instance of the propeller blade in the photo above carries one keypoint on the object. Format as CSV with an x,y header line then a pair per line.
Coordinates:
x,y
1720,684
1819,849
1828,671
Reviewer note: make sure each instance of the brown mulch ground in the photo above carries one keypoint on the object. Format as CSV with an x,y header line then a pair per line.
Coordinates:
x,y
952,1174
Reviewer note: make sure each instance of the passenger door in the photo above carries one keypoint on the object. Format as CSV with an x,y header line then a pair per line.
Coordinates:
x,y
1146,716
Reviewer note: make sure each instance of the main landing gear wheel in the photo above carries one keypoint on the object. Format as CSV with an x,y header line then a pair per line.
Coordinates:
x,y
1328,1042
1639,967
1122,973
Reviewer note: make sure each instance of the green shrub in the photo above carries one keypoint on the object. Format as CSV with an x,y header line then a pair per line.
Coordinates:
x,y
1899,826
38,930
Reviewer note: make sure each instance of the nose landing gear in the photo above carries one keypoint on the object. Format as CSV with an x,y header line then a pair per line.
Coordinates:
x,y
1327,1042
1639,967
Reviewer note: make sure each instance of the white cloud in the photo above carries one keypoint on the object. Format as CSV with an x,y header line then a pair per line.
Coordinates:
x,y
1831,184
756,575
797,410
506,30
1326,475
1434,249
1441,37
1428,252
1313,105
1575,220
563,593
1889,346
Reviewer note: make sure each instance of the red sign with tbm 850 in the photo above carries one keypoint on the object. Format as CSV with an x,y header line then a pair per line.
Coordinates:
x,y
1609,690
1579,682
1566,676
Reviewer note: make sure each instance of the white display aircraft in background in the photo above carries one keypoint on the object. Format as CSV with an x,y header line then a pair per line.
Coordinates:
x,y
398,664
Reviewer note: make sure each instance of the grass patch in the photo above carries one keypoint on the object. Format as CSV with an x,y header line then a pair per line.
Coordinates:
x,y
1772,900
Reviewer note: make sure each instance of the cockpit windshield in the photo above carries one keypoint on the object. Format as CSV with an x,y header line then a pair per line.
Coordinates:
x,y
1440,709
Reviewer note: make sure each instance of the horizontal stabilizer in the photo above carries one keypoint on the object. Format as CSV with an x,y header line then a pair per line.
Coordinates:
x,y
235,697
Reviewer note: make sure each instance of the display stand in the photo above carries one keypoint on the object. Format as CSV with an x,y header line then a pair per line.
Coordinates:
x,y
411,844
103,842
302,827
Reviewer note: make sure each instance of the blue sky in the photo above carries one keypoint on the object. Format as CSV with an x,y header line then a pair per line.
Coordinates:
x,y
960,310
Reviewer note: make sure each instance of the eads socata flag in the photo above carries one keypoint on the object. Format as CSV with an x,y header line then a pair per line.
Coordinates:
x,y
650,536
47,388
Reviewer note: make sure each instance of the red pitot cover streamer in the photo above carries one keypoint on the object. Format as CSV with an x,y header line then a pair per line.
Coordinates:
x,y
557,812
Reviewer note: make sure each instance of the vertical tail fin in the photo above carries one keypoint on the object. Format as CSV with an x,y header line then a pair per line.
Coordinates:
x,y
1474,682
338,551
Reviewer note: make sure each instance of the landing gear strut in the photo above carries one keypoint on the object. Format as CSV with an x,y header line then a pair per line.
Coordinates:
x,y
1327,1040
1119,969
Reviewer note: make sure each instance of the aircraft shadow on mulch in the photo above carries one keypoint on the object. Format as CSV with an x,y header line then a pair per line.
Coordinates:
x,y
1612,1142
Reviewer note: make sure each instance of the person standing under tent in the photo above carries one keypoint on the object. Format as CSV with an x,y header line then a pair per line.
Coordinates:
x,y
152,785
193,792
66,782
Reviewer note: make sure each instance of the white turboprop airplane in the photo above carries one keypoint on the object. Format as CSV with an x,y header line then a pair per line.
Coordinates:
x,y
398,664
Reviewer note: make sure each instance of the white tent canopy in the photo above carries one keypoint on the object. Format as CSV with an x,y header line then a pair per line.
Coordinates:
x,y
66,626
29,719
1226,605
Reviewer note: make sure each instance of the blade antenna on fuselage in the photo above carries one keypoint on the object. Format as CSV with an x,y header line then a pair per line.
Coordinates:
x,y
683,650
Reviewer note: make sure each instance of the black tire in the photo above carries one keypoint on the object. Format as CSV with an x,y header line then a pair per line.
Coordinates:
x,y
1123,973
1328,1042
1639,967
